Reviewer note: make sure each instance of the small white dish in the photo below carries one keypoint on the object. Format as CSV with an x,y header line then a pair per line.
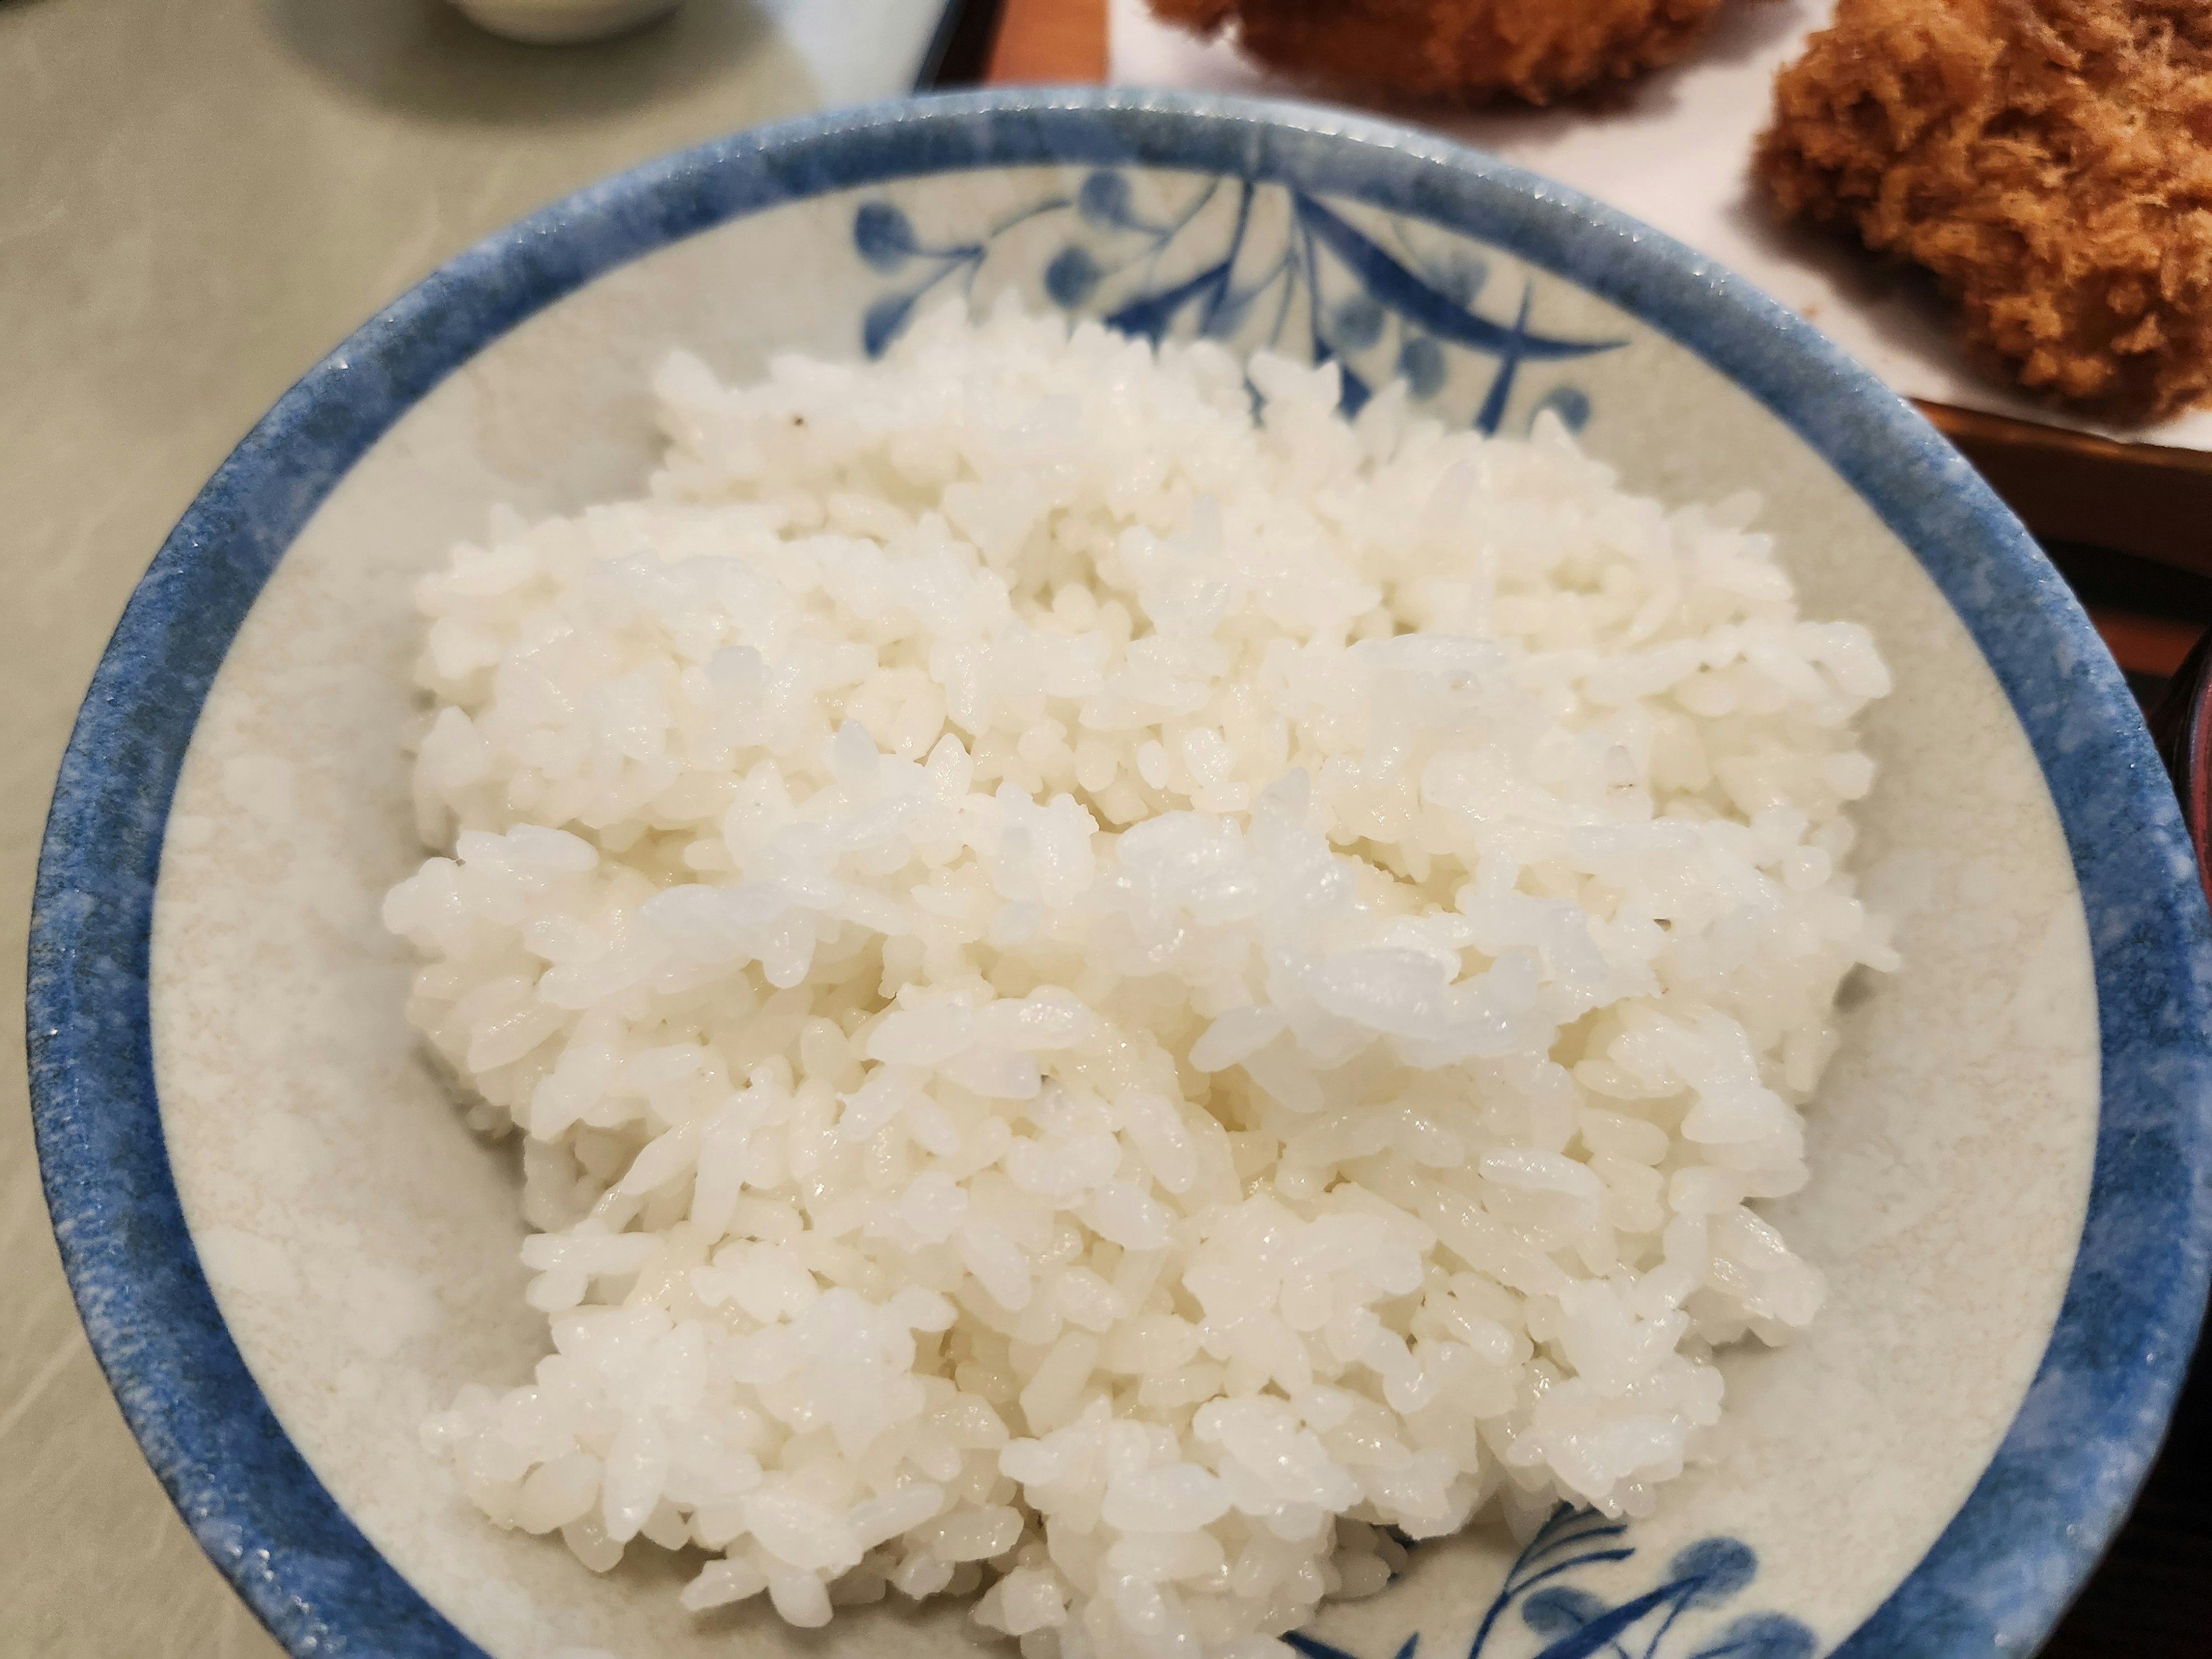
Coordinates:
x,y
564,23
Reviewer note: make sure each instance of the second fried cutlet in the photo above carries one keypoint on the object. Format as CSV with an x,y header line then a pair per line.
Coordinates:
x,y
1460,50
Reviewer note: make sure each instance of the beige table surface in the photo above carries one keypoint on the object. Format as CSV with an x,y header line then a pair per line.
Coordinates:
x,y
197,199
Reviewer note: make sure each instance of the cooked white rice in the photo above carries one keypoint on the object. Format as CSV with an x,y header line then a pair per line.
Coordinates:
x,y
1116,1004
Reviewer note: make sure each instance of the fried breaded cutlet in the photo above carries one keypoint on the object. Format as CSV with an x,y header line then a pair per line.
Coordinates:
x,y
2050,160
1460,50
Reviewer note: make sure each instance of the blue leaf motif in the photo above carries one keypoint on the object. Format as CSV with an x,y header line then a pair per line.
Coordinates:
x,y
1359,323
1492,412
1103,200
1352,392
1714,1569
1462,277
1072,276
1575,1623
1570,403
1607,1628
884,235
1570,1528
1152,314
1559,1609
1314,1648
1414,299
1224,313
1761,1636
883,320
1421,365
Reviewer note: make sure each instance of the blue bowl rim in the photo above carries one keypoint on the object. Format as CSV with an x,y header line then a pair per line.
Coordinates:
x,y
2004,1570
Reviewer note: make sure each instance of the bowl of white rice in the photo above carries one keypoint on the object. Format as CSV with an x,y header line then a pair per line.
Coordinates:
x,y
1127,877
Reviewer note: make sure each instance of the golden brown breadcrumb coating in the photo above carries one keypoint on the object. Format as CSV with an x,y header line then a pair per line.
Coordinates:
x,y
2050,160
1463,50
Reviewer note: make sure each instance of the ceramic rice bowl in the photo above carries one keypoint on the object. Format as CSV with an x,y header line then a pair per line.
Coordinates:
x,y
289,1249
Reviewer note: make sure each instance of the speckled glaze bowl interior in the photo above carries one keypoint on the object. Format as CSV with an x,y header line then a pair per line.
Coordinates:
x,y
289,1249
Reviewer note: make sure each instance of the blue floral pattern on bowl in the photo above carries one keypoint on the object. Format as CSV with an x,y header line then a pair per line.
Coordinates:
x,y
1304,276
1677,1619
